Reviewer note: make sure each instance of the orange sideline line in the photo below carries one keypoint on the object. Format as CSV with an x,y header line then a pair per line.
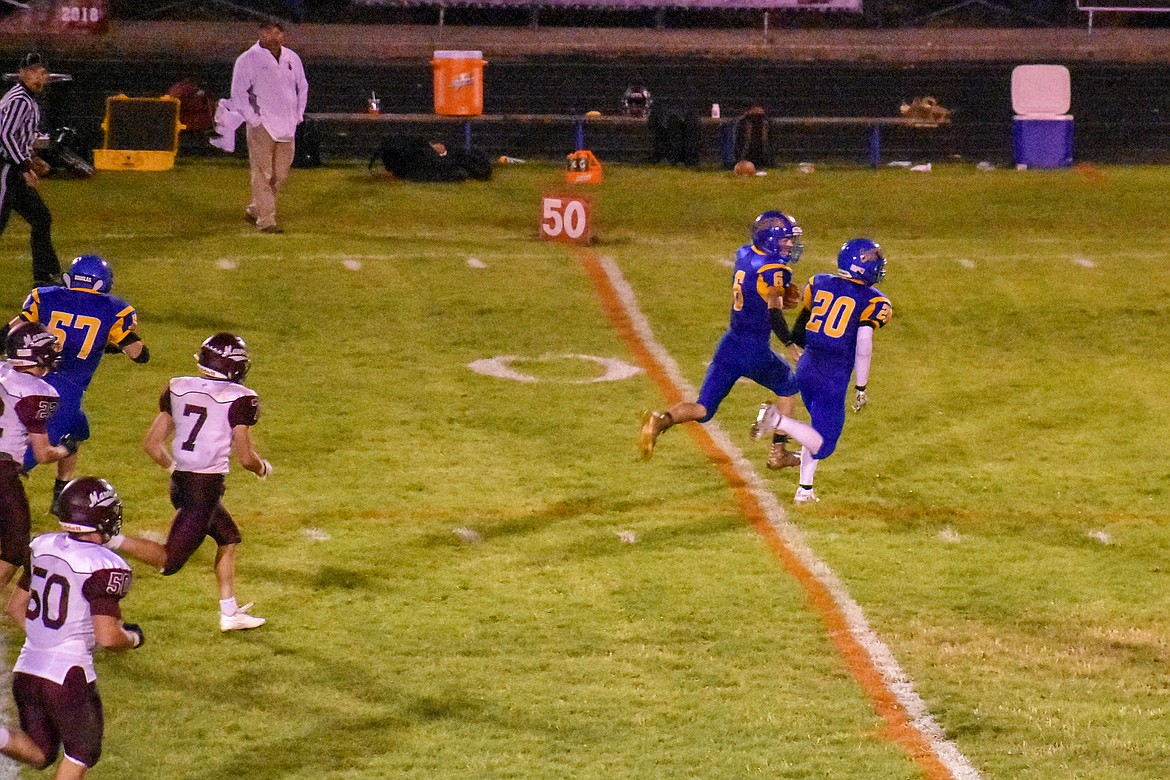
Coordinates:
x,y
898,726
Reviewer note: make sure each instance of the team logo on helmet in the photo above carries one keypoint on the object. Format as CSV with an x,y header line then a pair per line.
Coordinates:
x,y
90,504
29,345
103,497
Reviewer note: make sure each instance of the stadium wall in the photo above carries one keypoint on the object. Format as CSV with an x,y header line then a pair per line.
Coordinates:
x,y
1121,106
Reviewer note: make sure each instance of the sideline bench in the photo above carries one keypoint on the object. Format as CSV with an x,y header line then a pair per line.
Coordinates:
x,y
578,124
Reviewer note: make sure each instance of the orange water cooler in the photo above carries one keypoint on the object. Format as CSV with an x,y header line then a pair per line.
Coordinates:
x,y
458,82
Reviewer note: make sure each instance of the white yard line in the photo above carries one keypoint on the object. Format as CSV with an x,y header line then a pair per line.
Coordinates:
x,y
882,660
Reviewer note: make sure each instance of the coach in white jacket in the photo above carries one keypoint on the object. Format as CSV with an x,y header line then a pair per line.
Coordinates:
x,y
270,90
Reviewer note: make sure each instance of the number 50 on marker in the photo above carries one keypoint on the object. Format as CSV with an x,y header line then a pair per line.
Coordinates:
x,y
566,218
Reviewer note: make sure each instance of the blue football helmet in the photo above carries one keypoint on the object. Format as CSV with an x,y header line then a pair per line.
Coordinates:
x,y
90,272
862,259
771,229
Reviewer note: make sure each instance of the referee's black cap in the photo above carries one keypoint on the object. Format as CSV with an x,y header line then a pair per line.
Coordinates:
x,y
32,60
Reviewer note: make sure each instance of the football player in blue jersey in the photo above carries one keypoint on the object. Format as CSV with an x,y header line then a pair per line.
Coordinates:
x,y
835,327
763,272
87,321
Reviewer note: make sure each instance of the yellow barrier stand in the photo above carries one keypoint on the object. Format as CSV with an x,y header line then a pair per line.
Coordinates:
x,y
141,134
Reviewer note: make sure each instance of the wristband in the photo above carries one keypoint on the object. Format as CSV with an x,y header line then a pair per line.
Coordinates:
x,y
136,632
860,388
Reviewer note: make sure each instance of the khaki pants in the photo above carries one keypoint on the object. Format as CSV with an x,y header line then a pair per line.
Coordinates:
x,y
270,161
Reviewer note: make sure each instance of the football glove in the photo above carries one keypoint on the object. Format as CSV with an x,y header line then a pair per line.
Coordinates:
x,y
136,630
860,400
265,470
69,443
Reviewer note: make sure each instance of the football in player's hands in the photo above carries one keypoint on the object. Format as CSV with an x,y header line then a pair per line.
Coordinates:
x,y
792,295
136,630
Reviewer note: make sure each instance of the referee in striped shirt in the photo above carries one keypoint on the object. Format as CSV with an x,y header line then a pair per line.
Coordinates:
x,y
21,169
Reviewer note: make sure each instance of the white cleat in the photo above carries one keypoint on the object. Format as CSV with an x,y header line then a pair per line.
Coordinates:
x,y
767,420
757,428
241,620
805,496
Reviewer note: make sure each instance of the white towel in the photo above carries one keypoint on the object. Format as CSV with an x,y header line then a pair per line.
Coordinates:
x,y
227,121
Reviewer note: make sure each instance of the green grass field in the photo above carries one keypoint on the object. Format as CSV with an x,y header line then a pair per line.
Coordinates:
x,y
999,511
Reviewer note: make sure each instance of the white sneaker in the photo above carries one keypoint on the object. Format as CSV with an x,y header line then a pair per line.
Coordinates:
x,y
805,496
241,620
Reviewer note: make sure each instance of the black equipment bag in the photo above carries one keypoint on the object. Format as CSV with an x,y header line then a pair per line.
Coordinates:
x,y
307,153
414,158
